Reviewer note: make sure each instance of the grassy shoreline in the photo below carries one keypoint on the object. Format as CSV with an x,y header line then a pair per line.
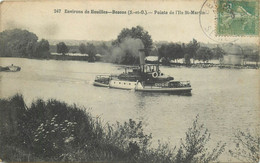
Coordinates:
x,y
55,131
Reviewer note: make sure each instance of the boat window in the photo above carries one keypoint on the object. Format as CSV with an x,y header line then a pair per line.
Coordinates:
x,y
124,83
129,83
114,82
135,84
119,82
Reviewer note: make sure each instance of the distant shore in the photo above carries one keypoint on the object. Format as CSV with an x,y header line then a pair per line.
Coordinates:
x,y
172,64
210,65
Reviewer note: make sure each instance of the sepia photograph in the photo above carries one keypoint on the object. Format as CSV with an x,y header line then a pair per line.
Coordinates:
x,y
161,81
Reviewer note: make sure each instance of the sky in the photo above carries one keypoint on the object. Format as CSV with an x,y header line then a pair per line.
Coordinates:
x,y
38,16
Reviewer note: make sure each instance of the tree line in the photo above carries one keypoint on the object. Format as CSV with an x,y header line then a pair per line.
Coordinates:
x,y
25,44
122,50
22,43
192,50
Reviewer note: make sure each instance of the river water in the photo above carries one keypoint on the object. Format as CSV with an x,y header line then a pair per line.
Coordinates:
x,y
224,99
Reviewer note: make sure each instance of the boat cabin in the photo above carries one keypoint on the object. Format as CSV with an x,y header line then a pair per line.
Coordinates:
x,y
150,68
132,69
142,68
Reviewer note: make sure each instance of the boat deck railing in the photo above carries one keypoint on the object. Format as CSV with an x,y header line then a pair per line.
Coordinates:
x,y
184,82
106,76
176,84
102,76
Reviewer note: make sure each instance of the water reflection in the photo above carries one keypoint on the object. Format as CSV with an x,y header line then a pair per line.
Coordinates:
x,y
162,94
140,100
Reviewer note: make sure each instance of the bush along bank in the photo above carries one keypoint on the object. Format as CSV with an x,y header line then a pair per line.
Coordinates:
x,y
55,131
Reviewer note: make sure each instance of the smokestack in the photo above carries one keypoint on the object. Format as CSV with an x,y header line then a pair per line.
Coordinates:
x,y
141,56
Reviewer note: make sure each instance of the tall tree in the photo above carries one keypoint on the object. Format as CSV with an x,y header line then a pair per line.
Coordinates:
x,y
137,32
186,54
17,43
218,52
175,51
192,47
170,52
91,51
82,48
103,49
256,57
162,51
204,54
187,59
42,49
62,48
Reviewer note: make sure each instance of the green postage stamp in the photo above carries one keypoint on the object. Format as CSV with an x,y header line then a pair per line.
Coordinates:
x,y
237,18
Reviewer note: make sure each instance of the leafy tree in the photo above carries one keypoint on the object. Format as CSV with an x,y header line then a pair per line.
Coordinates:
x,y
17,43
247,147
175,51
62,48
218,52
42,49
204,54
162,52
130,137
170,52
137,32
82,48
256,57
186,55
91,51
191,48
193,149
187,59
103,49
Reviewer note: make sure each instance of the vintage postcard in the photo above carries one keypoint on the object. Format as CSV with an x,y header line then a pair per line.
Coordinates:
x,y
129,81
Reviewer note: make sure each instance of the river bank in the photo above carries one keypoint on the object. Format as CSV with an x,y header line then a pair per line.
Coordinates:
x,y
55,131
210,65
172,64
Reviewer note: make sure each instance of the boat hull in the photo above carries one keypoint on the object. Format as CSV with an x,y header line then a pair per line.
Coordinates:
x,y
121,84
100,84
165,90
137,86
10,68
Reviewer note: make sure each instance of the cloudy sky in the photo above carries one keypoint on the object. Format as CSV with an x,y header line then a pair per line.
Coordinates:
x,y
38,16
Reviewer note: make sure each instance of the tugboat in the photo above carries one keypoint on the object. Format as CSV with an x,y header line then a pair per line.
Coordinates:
x,y
11,68
143,78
